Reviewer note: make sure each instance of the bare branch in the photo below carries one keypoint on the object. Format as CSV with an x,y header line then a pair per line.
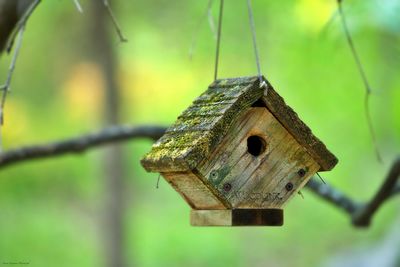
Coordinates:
x,y
6,87
363,216
79,144
333,196
21,23
19,29
361,213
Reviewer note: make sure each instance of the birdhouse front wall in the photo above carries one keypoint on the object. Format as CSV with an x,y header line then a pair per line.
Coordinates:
x,y
258,164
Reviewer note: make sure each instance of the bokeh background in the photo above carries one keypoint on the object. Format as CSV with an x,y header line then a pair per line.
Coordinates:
x,y
51,211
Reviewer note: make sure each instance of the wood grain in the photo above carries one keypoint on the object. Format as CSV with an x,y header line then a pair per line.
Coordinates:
x,y
257,182
193,190
297,128
211,217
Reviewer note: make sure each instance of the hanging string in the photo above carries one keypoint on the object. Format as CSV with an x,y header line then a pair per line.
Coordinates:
x,y
320,177
367,86
221,11
253,33
158,181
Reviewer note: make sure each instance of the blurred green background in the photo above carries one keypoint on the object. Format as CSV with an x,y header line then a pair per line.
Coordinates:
x,y
50,210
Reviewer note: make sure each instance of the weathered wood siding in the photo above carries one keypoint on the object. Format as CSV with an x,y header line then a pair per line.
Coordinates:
x,y
193,190
265,181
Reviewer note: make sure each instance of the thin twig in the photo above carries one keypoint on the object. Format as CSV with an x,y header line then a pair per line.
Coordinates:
x,y
78,6
6,87
21,22
206,14
19,29
367,86
115,22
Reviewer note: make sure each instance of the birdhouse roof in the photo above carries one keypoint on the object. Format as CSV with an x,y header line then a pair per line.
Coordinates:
x,y
203,125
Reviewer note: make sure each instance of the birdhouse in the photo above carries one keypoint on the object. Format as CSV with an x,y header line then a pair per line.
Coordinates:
x,y
238,154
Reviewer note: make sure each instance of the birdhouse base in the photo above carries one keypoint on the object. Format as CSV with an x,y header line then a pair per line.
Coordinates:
x,y
237,217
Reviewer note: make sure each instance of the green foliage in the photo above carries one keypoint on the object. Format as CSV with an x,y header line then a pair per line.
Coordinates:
x,y
50,209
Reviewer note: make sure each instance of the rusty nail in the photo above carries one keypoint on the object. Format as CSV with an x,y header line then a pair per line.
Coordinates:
x,y
301,172
227,187
289,186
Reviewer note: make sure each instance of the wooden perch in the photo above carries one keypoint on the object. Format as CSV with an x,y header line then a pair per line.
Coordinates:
x,y
360,213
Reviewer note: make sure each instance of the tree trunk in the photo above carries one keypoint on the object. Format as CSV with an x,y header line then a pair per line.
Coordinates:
x,y
113,166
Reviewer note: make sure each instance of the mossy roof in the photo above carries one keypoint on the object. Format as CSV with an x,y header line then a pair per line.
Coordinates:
x,y
203,125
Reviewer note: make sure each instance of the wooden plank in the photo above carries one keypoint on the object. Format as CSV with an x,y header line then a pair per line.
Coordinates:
x,y
193,190
257,181
237,217
211,217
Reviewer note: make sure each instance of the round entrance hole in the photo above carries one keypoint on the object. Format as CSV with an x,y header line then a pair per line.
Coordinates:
x,y
256,145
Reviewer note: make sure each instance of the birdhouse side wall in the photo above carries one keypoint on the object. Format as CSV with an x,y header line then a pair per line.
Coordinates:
x,y
193,190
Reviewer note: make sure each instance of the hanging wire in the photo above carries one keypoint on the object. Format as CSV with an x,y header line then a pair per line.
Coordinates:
x,y
158,181
320,177
221,11
367,86
253,33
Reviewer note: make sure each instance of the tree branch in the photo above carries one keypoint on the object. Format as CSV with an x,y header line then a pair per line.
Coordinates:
x,y
79,144
363,216
360,213
333,196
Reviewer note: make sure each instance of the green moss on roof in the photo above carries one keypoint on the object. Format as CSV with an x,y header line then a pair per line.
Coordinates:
x,y
202,125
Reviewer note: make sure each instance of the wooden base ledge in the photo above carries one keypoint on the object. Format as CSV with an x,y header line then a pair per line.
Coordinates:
x,y
237,217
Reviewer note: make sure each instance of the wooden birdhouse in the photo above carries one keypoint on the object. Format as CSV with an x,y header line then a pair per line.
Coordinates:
x,y
238,154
